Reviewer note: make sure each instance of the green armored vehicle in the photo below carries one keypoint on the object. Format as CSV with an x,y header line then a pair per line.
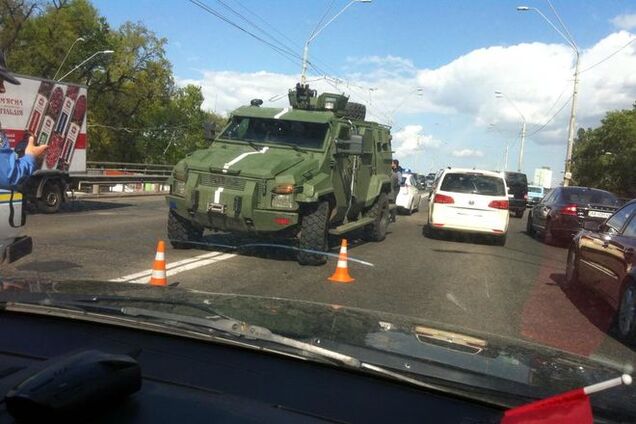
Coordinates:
x,y
307,171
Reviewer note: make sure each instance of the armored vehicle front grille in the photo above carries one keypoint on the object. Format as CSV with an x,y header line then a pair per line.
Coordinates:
x,y
225,181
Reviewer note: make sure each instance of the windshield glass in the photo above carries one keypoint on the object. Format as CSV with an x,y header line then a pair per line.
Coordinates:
x,y
276,131
431,185
474,183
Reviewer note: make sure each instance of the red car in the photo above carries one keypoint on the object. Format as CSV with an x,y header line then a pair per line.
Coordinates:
x,y
602,258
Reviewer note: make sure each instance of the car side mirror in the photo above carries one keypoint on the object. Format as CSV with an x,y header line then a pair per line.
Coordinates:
x,y
592,226
353,146
209,131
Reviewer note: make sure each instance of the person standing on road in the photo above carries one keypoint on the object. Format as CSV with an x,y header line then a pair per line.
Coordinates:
x,y
396,182
14,170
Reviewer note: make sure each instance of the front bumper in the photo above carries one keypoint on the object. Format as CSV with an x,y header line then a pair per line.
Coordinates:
x,y
232,218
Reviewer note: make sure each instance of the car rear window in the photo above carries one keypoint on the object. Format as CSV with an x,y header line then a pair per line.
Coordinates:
x,y
587,196
516,179
474,183
532,189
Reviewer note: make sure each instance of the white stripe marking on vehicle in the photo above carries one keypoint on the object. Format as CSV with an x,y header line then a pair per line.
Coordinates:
x,y
168,266
241,157
187,267
281,113
217,195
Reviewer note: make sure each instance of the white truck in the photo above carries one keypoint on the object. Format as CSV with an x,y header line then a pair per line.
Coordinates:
x,y
55,113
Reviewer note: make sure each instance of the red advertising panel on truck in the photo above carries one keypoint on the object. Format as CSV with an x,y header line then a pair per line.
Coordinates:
x,y
55,113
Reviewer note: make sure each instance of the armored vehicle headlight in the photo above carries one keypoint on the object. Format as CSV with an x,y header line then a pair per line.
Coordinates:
x,y
283,201
179,188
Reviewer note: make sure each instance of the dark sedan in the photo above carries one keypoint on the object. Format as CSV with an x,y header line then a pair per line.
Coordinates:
x,y
601,257
563,212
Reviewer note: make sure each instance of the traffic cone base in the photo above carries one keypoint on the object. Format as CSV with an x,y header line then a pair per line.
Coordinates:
x,y
342,270
158,276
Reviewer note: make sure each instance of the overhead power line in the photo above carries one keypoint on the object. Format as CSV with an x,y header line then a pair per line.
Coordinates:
x,y
609,57
292,57
551,118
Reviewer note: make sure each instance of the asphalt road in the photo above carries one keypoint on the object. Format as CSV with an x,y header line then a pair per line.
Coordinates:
x,y
467,282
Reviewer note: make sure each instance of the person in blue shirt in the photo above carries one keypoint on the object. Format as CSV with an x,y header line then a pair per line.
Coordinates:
x,y
14,170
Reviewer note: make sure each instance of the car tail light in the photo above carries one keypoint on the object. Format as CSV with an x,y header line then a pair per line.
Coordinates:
x,y
440,198
525,196
499,204
568,210
281,221
497,231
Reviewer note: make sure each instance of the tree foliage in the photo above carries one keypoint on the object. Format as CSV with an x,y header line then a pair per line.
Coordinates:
x,y
136,112
604,157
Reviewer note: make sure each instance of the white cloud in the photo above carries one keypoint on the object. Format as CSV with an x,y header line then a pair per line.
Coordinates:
x,y
625,21
468,153
537,77
411,139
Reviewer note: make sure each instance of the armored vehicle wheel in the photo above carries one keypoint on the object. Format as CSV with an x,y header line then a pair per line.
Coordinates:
x,y
313,234
380,213
355,111
181,232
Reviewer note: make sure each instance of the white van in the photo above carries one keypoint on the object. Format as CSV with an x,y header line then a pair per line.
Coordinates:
x,y
13,244
470,200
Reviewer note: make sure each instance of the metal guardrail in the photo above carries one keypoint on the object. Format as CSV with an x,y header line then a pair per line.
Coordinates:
x,y
127,168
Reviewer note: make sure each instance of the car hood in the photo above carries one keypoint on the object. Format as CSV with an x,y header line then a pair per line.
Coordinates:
x,y
400,342
244,160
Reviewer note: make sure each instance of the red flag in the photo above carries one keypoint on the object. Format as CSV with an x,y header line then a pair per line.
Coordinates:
x,y
569,407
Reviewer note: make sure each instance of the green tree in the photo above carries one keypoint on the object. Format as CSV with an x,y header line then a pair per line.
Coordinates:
x,y
136,113
604,156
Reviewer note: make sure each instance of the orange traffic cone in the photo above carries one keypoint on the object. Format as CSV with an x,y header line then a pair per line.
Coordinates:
x,y
342,270
158,276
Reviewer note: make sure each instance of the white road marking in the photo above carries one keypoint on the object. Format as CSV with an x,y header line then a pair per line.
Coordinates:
x,y
241,157
217,195
281,113
172,266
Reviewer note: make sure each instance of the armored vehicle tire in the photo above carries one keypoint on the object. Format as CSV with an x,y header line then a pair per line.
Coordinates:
x,y
380,213
181,231
355,111
313,234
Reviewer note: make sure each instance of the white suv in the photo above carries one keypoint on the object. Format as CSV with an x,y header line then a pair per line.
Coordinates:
x,y
469,200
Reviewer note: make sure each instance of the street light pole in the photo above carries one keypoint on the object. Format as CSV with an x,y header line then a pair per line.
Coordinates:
x,y
500,94
567,175
572,126
314,34
86,60
66,57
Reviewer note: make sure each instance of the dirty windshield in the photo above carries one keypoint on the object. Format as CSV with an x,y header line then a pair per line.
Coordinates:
x,y
276,131
421,184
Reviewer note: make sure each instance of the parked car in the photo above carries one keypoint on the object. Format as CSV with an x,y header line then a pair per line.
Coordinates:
x,y
471,201
517,192
408,198
601,258
535,194
563,212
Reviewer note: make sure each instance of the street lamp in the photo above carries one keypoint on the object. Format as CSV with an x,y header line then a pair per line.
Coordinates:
x,y
314,34
567,176
418,91
86,60
494,127
500,95
66,57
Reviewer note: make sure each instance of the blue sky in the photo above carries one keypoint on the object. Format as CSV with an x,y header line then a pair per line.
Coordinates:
x,y
457,52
